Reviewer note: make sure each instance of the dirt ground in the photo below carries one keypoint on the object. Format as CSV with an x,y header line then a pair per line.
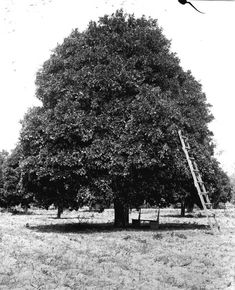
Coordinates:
x,y
82,250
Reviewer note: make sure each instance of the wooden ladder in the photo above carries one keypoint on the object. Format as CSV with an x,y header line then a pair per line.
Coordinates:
x,y
199,184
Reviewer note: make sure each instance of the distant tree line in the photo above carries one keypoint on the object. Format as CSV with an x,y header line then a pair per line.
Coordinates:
x,y
113,99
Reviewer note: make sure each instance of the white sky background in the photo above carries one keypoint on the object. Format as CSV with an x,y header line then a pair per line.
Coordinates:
x,y
205,44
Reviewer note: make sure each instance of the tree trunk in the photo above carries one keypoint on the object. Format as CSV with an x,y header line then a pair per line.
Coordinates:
x,y
182,206
59,211
189,201
121,214
26,209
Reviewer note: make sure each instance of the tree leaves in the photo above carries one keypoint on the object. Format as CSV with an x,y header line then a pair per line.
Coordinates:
x,y
114,97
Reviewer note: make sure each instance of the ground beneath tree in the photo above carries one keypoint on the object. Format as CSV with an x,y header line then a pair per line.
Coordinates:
x,y
84,251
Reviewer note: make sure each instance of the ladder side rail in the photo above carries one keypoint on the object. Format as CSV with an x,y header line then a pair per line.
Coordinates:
x,y
189,163
192,169
204,191
195,179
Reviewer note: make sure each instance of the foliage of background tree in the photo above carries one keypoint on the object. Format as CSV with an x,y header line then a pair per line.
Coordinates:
x,y
11,194
113,98
11,177
232,181
3,157
50,169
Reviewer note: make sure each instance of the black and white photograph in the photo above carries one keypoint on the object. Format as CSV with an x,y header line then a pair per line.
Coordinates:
x,y
117,145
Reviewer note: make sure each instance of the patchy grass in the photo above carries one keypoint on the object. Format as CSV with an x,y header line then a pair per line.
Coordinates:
x,y
83,251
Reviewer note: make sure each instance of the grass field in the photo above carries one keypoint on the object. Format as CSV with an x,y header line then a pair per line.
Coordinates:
x,y
82,250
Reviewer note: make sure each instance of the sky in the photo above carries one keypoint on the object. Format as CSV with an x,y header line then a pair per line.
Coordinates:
x,y
205,44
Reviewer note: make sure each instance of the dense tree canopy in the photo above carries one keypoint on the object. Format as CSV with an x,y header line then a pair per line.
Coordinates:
x,y
232,181
11,193
11,177
3,157
113,99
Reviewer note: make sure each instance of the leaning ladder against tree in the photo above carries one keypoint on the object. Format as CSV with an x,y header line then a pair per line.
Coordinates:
x,y
199,184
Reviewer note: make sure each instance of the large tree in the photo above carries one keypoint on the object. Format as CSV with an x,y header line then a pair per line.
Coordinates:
x,y
113,99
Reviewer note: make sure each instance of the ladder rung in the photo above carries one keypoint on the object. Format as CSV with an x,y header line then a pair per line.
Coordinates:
x,y
204,192
200,181
204,195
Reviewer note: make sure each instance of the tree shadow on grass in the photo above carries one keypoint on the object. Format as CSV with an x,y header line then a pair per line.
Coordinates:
x,y
186,216
67,218
89,228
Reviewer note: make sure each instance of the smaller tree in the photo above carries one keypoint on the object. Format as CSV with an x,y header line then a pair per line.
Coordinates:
x,y
11,191
217,182
232,181
3,157
52,171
